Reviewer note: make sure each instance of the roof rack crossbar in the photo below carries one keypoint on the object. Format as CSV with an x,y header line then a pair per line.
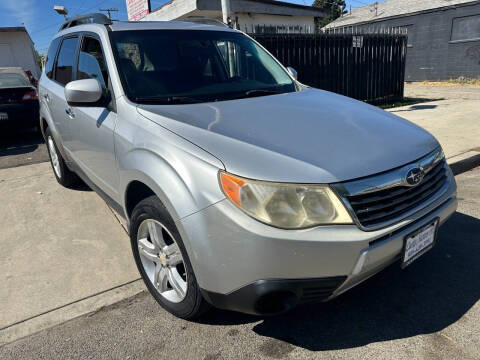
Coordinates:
x,y
94,18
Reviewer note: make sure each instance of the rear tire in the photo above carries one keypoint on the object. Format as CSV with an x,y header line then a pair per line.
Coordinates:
x,y
162,260
63,174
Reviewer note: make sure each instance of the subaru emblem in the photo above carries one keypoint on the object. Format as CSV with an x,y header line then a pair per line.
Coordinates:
x,y
414,176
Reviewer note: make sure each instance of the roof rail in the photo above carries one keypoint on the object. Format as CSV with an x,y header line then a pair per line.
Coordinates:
x,y
95,18
204,21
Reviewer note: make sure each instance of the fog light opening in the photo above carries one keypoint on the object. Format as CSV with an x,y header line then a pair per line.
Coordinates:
x,y
276,302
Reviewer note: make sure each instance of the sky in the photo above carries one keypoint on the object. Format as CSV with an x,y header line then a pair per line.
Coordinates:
x,y
42,22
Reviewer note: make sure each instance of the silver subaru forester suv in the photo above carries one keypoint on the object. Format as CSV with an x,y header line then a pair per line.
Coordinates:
x,y
242,188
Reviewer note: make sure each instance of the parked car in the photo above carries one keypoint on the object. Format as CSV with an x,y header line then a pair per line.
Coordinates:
x,y
242,188
19,108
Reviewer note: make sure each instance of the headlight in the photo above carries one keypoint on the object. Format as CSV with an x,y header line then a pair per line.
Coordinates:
x,y
288,206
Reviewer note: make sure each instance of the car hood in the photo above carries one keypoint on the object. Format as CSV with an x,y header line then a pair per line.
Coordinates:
x,y
309,136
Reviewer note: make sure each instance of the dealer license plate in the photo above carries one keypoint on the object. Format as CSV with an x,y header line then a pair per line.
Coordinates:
x,y
3,116
419,243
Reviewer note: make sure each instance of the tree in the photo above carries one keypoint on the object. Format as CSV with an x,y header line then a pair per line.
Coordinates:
x,y
39,59
334,9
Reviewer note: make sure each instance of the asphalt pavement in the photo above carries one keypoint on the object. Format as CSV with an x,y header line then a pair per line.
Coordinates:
x,y
25,148
430,310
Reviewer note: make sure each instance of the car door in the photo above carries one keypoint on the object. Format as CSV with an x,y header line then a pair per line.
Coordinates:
x,y
61,74
47,80
91,126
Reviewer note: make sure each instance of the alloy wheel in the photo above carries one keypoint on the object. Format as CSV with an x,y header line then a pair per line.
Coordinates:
x,y
162,260
54,157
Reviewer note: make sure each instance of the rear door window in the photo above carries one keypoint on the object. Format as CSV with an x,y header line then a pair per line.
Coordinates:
x,y
66,60
52,51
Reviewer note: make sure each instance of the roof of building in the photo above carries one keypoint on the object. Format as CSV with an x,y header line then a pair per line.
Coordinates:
x,y
287,4
393,8
13,29
165,25
267,2
16,29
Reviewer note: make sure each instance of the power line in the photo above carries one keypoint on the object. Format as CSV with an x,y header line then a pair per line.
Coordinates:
x,y
360,2
109,11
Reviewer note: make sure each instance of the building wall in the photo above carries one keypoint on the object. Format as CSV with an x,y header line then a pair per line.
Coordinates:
x,y
172,11
16,50
247,21
435,52
249,14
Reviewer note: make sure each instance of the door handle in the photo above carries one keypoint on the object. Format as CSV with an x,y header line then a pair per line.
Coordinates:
x,y
70,113
47,98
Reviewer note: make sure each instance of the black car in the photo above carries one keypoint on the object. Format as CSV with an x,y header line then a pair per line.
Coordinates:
x,y
18,101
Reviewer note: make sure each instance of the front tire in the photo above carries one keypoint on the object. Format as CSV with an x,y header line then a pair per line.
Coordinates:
x,y
163,262
62,173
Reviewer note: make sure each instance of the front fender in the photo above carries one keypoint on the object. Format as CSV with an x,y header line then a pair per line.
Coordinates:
x,y
183,182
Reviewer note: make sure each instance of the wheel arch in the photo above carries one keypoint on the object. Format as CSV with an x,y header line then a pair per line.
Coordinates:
x,y
135,192
47,122
143,172
43,126
182,189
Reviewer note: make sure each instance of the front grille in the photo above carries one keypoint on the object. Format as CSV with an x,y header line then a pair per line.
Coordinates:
x,y
386,205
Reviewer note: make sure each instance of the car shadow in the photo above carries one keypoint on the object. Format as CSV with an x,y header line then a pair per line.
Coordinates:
x,y
19,143
416,107
428,296
80,186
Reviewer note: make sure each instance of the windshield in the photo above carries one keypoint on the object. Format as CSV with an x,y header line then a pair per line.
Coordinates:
x,y
176,66
12,80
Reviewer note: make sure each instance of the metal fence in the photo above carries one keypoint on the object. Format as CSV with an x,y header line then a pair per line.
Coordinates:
x,y
368,66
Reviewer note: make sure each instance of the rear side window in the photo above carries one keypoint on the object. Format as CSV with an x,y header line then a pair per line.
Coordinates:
x,y
91,63
65,61
13,80
52,51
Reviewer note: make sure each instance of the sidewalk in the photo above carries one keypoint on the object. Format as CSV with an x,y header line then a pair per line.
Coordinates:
x,y
455,123
59,246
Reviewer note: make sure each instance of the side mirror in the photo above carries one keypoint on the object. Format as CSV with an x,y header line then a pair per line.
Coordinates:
x,y
83,92
292,72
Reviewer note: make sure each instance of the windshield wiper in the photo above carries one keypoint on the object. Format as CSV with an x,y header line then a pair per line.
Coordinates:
x,y
167,100
258,92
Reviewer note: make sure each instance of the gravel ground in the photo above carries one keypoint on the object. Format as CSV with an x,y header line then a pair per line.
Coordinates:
x,y
430,310
449,91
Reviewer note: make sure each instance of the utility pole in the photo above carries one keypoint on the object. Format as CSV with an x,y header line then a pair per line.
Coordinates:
x,y
109,10
226,12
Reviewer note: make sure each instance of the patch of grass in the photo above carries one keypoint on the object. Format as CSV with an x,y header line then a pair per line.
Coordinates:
x,y
406,101
462,81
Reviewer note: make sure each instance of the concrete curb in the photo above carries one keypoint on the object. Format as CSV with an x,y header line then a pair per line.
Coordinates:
x,y
70,311
464,162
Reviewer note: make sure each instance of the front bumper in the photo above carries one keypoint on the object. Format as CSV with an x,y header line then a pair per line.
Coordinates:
x,y
242,264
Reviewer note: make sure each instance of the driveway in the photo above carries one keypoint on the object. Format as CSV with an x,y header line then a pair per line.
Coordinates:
x,y
430,310
64,252
455,123
22,149
443,91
